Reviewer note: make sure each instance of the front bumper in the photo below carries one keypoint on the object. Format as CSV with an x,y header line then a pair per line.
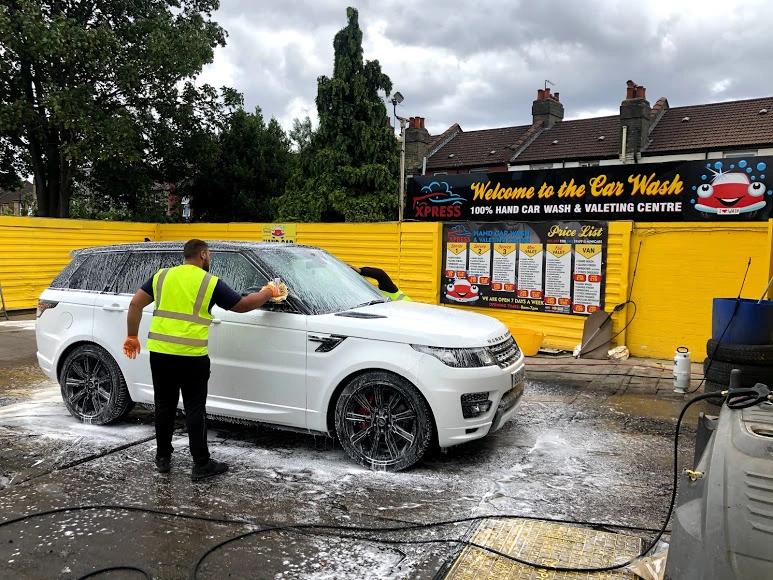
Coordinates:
x,y
444,386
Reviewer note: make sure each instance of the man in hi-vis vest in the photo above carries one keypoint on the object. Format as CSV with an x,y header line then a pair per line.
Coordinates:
x,y
177,341
385,284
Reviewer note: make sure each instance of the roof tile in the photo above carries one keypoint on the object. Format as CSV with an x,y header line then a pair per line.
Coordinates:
x,y
729,125
474,148
573,140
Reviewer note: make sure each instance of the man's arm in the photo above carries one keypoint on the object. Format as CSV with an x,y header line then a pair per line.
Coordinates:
x,y
385,283
229,299
140,300
253,301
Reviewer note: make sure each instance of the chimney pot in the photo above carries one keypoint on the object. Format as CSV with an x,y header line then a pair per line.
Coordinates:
x,y
641,92
540,94
422,122
555,96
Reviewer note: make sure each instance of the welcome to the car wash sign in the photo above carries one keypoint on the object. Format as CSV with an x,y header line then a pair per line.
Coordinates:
x,y
553,266
718,190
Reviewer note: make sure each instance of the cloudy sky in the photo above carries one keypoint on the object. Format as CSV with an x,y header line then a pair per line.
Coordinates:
x,y
479,63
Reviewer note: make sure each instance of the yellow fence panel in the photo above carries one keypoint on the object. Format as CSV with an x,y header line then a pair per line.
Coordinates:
x,y
420,261
34,250
681,268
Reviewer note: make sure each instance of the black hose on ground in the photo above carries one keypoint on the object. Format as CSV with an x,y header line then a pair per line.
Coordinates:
x,y
737,399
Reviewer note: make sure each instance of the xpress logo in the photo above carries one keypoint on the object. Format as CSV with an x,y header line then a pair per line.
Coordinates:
x,y
438,201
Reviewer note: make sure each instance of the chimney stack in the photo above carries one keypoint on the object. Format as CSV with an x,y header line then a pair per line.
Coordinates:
x,y
547,108
417,140
635,115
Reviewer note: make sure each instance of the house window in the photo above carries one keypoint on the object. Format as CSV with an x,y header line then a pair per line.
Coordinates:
x,y
734,154
479,170
441,173
589,163
541,166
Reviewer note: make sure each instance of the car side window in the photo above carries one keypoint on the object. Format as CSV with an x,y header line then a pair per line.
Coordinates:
x,y
236,271
95,272
140,267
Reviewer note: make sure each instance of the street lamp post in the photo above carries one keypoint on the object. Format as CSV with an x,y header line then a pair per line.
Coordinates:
x,y
397,99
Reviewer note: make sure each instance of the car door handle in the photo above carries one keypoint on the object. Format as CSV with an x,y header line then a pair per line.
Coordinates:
x,y
113,308
216,321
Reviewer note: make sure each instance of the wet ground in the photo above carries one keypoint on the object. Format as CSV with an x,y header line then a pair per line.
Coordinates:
x,y
587,445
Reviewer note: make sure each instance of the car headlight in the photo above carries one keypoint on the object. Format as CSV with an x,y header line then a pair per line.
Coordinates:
x,y
464,358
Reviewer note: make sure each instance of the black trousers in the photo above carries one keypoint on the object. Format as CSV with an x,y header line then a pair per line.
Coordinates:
x,y
173,374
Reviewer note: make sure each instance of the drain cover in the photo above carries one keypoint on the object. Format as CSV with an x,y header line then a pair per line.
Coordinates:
x,y
544,543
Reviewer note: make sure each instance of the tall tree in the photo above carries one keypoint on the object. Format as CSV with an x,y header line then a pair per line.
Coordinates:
x,y
300,134
83,83
250,167
349,170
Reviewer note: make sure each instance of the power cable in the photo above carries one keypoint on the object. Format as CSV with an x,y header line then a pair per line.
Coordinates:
x,y
729,322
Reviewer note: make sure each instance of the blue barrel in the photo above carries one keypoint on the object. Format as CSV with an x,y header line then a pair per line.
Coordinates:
x,y
752,323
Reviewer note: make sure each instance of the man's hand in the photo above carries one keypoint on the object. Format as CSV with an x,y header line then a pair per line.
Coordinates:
x,y
131,347
278,292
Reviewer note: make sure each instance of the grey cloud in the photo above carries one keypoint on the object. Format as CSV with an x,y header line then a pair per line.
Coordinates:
x,y
506,50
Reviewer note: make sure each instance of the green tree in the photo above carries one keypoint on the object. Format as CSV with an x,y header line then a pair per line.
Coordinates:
x,y
90,85
300,134
250,168
349,170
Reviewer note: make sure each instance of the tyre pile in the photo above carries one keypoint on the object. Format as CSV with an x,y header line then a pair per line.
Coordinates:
x,y
755,361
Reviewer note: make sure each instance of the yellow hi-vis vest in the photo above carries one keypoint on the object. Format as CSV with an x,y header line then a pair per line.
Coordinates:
x,y
181,317
395,295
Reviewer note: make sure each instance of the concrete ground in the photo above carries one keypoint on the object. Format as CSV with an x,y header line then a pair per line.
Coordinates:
x,y
592,442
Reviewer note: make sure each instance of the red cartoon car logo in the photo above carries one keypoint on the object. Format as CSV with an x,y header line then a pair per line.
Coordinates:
x,y
278,232
462,291
730,194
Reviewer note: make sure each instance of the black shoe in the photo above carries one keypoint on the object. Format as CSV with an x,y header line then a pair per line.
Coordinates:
x,y
163,464
209,469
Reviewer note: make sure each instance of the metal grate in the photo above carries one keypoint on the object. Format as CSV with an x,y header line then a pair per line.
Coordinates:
x,y
543,543
506,352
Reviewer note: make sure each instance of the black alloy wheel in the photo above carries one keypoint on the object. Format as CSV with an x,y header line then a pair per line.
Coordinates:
x,y
93,387
383,422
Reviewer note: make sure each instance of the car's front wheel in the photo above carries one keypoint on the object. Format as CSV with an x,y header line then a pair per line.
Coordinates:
x,y
93,387
383,422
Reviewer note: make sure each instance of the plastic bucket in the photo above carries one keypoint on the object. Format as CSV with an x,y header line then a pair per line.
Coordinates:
x,y
752,323
528,341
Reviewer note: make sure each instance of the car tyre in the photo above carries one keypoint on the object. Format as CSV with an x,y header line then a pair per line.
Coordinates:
x,y
383,422
749,354
93,387
719,372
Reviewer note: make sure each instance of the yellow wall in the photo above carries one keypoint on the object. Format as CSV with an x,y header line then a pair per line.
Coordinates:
x,y
681,268
34,250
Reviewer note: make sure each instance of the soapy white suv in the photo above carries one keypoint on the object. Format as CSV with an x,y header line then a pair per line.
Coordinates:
x,y
336,357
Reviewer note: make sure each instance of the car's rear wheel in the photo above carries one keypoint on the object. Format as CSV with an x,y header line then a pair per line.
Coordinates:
x,y
383,422
93,387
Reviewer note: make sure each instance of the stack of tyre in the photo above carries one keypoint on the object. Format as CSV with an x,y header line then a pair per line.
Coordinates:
x,y
755,361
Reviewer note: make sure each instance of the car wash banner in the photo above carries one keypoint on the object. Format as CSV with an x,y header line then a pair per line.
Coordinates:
x,y
717,190
555,266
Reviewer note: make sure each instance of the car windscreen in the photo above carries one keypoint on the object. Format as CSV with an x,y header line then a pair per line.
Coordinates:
x,y
320,280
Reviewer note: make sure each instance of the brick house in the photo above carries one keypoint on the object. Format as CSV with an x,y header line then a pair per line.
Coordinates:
x,y
641,133
15,202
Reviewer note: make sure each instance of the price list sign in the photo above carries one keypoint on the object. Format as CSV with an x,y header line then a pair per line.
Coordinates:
x,y
557,267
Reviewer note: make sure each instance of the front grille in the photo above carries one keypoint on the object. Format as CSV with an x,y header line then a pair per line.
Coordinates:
x,y
505,352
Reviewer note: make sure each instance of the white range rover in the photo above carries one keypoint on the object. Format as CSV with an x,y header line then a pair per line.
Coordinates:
x,y
336,358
